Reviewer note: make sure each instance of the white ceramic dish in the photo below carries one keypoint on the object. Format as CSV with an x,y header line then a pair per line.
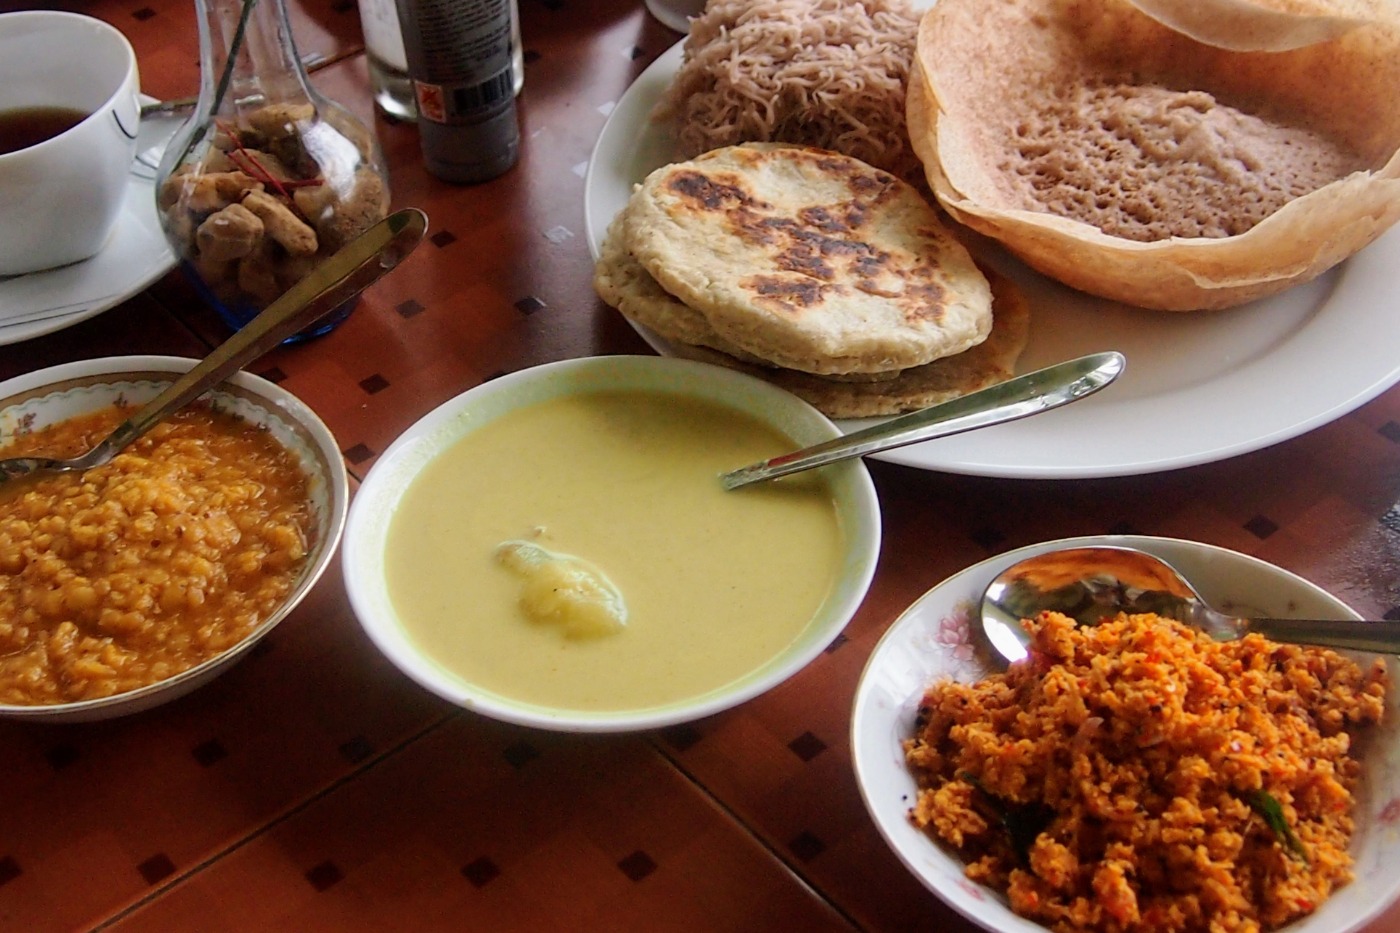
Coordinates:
x,y
60,392
136,255
1199,387
932,640
379,495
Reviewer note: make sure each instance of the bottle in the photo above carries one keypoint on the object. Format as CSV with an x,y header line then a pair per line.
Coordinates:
x,y
388,64
267,177
462,58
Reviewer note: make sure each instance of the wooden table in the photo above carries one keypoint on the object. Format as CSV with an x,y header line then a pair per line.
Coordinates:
x,y
313,787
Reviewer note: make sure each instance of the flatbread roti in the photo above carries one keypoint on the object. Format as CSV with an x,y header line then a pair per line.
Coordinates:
x,y
991,361
808,259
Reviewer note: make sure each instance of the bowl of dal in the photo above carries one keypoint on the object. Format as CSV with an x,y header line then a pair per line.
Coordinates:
x,y
133,583
553,548
938,639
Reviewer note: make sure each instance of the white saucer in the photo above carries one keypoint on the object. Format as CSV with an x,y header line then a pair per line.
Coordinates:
x,y
135,256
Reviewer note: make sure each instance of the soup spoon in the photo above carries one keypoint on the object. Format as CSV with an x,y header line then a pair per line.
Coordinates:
x,y
341,277
1091,584
1015,398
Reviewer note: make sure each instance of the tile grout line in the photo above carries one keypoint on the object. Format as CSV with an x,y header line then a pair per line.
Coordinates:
x,y
658,744
178,879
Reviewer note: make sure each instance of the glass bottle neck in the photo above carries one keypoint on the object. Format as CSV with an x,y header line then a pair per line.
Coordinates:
x,y
256,37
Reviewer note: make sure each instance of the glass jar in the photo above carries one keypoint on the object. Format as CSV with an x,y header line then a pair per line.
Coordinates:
x,y
267,177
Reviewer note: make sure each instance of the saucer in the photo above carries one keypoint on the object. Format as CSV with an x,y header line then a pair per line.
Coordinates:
x,y
136,255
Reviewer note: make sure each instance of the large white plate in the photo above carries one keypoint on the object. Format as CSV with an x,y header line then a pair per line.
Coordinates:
x,y
933,639
1198,387
136,254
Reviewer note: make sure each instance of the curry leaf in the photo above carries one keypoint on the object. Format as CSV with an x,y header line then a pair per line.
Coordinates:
x,y
1023,822
1263,803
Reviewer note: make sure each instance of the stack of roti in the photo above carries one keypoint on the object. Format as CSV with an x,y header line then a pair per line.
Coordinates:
x,y
1176,154
815,271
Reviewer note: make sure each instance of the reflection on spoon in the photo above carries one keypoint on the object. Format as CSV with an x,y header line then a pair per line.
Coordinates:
x,y
1091,584
1015,398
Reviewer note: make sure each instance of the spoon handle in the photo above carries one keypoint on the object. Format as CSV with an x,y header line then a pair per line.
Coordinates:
x,y
1382,637
1015,398
341,277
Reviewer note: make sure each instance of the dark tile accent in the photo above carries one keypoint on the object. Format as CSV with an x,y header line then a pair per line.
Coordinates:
x,y
409,308
807,746
324,875
356,750
61,756
529,305
521,754
836,643
637,865
9,870
273,374
481,872
682,737
210,752
375,383
156,868
1390,431
987,538
807,846
143,14
443,238
1260,527
358,454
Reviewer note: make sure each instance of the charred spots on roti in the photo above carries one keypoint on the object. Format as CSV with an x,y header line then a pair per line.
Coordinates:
x,y
787,294
711,193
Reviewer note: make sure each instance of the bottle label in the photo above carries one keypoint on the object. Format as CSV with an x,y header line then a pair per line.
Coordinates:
x,y
460,56
451,103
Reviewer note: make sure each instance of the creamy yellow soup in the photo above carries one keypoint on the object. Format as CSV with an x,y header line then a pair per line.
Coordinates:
x,y
626,483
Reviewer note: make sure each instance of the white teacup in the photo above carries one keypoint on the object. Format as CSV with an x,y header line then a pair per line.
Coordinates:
x,y
60,198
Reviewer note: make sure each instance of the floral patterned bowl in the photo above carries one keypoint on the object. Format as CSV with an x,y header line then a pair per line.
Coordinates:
x,y
939,637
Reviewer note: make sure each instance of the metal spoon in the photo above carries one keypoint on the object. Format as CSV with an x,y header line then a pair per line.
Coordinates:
x,y
335,281
1091,584
1015,398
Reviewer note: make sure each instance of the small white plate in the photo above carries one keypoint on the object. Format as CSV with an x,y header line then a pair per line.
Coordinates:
x,y
933,640
1198,388
135,256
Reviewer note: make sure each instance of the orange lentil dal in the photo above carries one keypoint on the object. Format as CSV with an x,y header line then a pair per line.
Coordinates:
x,y
1111,781
131,572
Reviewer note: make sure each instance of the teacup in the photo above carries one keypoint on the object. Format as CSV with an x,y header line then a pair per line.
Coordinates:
x,y
61,196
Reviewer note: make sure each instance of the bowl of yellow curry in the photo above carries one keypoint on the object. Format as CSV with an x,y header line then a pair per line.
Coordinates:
x,y
133,583
554,548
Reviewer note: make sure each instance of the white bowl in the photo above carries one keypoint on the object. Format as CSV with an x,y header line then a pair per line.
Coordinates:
x,y
379,495
61,392
930,641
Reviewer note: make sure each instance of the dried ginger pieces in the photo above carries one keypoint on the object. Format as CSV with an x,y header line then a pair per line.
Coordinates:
x,y
261,208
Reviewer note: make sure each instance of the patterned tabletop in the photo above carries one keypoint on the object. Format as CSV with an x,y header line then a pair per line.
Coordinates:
x,y
314,787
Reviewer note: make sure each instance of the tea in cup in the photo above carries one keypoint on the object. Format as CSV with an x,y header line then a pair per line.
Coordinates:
x,y
69,114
